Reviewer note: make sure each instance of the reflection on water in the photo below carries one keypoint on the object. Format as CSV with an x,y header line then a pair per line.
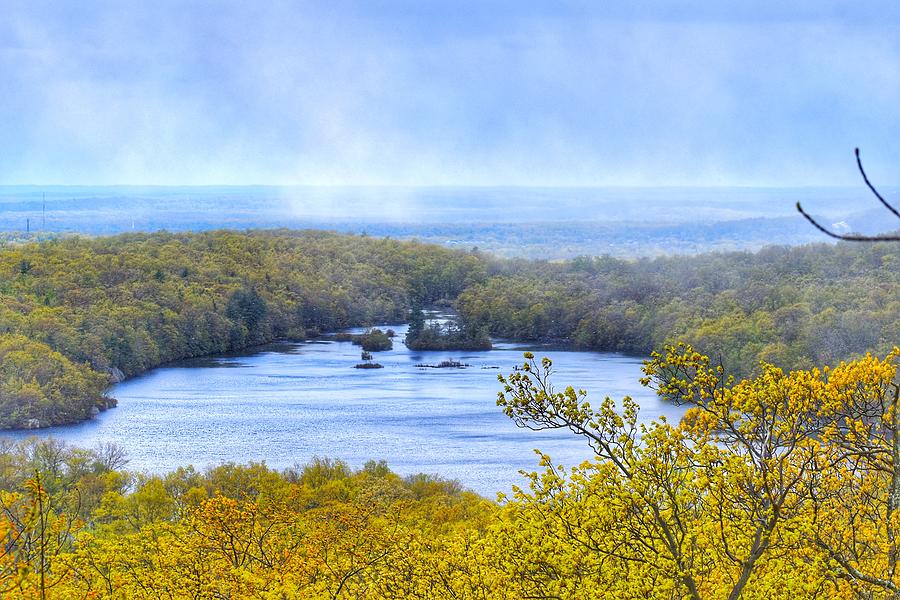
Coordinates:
x,y
286,403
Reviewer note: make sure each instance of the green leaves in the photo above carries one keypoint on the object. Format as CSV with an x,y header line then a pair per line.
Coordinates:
x,y
128,303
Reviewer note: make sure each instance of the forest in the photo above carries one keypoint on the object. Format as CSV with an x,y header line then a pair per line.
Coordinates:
x,y
779,486
460,300
76,313
778,483
79,312
795,307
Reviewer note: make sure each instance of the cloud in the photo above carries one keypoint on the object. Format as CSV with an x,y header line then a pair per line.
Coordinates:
x,y
483,93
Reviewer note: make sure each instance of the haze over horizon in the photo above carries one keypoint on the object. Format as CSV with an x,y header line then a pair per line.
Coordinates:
x,y
478,93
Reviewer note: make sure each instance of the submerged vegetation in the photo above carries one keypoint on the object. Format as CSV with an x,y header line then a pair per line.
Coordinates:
x,y
445,364
368,365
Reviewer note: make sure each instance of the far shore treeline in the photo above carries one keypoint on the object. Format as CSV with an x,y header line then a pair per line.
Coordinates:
x,y
77,313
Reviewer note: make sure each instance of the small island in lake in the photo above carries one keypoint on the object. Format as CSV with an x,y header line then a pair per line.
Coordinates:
x,y
371,340
367,362
445,364
444,336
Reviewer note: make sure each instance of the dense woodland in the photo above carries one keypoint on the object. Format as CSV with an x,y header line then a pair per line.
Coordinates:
x,y
794,307
776,484
76,312
777,487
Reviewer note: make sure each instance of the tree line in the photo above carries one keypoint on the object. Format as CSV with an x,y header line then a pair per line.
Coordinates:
x,y
794,307
76,313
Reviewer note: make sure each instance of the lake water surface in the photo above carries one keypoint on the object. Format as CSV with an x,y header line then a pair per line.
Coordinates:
x,y
286,403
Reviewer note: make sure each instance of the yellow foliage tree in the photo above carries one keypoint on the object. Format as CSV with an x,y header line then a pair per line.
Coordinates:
x,y
784,486
740,499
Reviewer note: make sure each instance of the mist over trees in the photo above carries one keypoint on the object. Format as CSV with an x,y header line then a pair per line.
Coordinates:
x,y
795,307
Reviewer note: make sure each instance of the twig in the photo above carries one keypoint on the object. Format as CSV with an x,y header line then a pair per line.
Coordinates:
x,y
857,238
849,238
871,187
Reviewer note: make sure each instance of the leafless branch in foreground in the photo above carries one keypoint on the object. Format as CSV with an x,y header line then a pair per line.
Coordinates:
x,y
851,237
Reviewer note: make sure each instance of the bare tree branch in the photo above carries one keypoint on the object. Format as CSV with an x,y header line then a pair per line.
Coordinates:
x,y
871,187
851,237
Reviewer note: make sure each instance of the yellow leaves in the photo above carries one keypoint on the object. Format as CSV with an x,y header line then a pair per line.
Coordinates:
x,y
863,380
36,534
383,545
785,476
747,480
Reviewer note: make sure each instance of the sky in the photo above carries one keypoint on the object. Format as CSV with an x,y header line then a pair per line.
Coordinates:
x,y
459,92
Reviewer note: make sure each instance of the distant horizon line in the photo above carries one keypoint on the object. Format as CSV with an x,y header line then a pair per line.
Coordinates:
x,y
423,186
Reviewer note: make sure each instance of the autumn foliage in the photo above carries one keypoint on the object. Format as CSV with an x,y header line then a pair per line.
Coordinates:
x,y
780,486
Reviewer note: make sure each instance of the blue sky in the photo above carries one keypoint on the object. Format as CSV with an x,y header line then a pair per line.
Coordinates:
x,y
449,93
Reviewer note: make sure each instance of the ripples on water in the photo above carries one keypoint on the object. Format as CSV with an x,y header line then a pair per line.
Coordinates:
x,y
286,403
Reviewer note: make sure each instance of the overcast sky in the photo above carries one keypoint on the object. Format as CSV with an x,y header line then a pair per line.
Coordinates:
x,y
454,92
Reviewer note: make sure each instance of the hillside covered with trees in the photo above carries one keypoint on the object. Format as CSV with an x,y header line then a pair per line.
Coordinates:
x,y
794,307
76,313
751,495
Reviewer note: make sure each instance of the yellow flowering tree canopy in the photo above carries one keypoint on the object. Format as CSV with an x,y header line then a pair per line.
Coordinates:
x,y
783,485
763,489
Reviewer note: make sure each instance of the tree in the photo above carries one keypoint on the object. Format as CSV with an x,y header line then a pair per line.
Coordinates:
x,y
416,324
855,515
35,532
761,477
247,307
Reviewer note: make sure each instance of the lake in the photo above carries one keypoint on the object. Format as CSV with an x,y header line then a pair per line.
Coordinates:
x,y
286,403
